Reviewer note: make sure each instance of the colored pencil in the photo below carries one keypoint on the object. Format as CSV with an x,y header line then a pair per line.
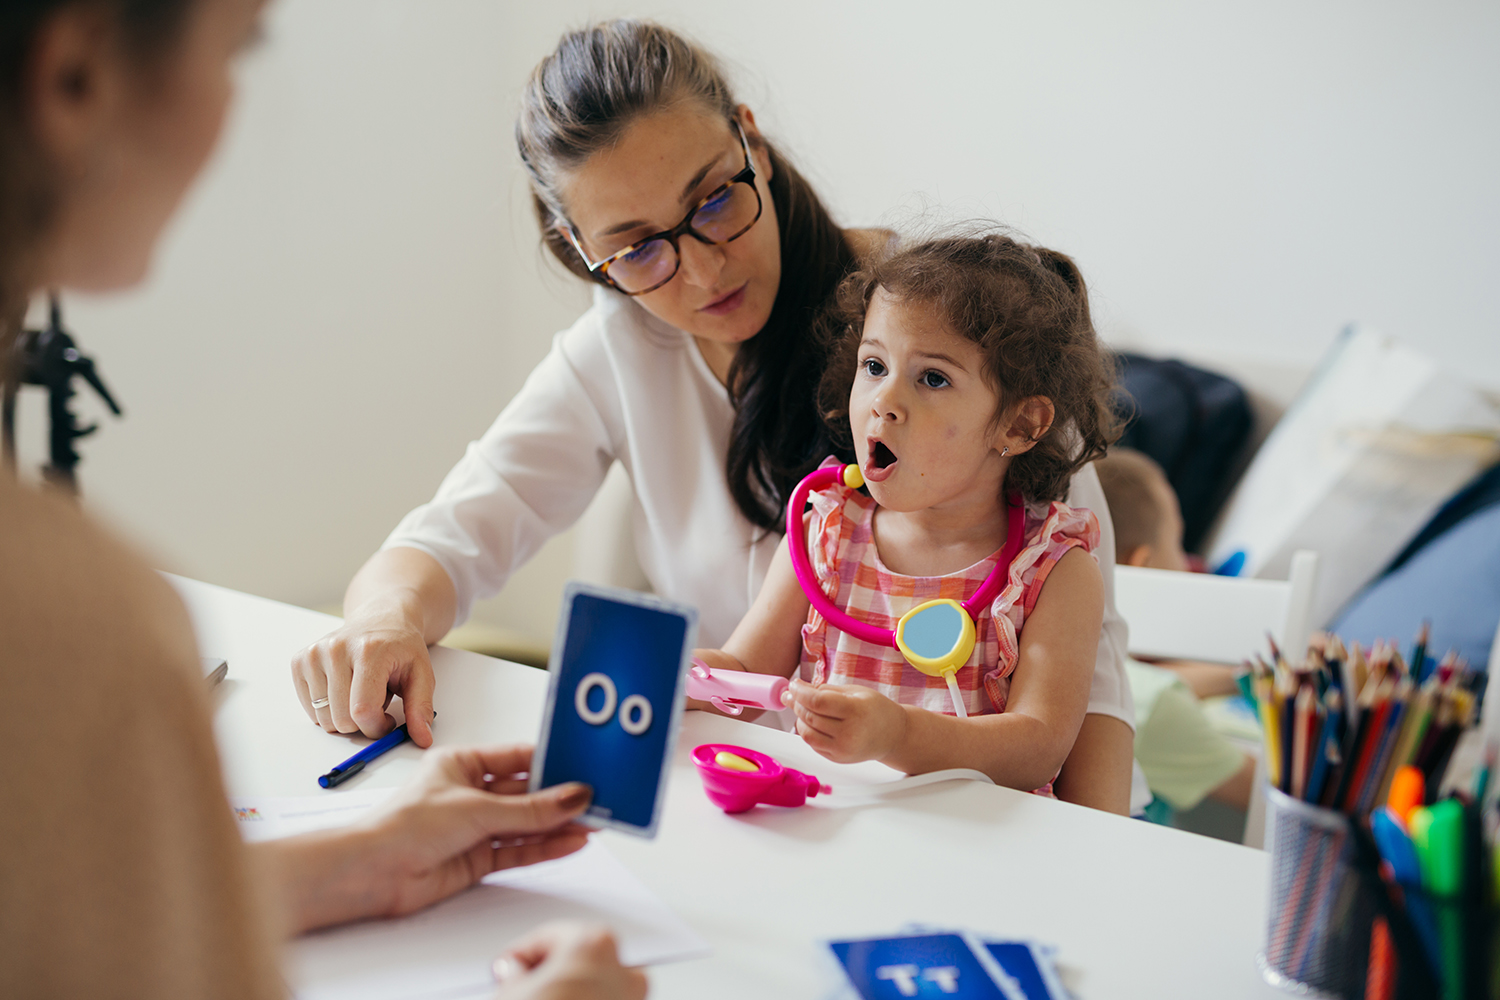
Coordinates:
x,y
1304,718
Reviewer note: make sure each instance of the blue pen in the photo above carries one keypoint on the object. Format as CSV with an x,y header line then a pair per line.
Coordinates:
x,y
355,764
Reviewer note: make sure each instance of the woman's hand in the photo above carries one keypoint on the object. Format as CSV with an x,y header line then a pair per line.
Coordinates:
x,y
358,668
465,815
399,603
847,723
567,961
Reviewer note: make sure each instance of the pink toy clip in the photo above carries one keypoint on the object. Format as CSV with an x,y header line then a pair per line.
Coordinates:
x,y
733,691
738,779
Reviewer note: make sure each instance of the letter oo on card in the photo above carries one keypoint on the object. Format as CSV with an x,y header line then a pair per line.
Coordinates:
x,y
635,710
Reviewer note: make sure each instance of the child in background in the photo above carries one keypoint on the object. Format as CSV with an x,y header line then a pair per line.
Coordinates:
x,y
966,376
1184,758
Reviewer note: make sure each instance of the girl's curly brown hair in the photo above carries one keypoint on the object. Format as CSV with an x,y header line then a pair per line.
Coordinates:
x,y
1027,309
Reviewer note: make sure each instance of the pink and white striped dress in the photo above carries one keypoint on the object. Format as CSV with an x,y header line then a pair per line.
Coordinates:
x,y
841,547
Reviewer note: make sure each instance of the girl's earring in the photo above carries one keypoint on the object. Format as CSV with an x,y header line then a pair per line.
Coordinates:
x,y
1005,451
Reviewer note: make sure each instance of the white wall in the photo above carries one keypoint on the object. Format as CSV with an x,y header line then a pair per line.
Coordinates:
x,y
356,288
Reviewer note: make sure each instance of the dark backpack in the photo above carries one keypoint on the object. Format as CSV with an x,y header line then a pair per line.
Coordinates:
x,y
1194,423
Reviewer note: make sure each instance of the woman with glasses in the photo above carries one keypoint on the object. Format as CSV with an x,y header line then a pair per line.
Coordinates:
x,y
695,368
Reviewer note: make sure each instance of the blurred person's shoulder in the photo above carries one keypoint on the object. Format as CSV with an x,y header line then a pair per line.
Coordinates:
x,y
79,610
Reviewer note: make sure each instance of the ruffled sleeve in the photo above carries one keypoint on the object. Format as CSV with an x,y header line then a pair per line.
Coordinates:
x,y
1051,530
824,531
1062,528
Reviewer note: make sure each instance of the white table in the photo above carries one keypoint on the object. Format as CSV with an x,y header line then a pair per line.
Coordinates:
x,y
1135,910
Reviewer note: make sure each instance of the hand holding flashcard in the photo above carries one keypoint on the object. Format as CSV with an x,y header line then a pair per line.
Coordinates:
x,y
615,701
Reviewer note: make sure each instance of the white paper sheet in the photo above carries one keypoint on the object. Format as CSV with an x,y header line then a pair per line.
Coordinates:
x,y
444,953
266,817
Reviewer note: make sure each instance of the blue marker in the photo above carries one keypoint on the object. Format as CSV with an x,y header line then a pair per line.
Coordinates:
x,y
1397,849
355,764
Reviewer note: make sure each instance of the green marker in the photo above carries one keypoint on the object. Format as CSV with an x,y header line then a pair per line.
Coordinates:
x,y
1443,871
1419,823
1438,835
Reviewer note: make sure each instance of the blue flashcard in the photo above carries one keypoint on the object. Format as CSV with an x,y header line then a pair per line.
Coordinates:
x,y
614,701
1030,972
920,965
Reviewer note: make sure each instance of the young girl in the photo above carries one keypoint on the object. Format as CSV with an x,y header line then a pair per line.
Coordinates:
x,y
968,380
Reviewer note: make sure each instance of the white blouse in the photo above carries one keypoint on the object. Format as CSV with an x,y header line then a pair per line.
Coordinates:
x,y
622,385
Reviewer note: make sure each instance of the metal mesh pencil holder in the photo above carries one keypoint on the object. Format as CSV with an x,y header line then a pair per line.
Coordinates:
x,y
1321,912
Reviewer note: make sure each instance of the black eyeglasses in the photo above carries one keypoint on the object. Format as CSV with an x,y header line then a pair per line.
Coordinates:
x,y
725,215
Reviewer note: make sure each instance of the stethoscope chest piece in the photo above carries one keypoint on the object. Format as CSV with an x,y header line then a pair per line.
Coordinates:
x,y
936,637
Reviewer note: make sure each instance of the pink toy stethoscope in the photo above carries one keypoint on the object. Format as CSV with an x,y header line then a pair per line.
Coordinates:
x,y
936,637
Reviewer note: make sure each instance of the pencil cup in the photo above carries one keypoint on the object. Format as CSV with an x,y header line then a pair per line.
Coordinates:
x,y
1319,920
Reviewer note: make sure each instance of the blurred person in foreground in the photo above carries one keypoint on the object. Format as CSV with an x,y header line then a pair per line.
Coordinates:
x,y
123,873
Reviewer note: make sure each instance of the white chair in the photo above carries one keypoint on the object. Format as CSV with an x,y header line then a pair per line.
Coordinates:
x,y
1220,619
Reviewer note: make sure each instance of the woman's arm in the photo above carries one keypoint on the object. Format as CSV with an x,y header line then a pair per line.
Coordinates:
x,y
1097,771
768,640
399,603
465,815
527,478
1022,747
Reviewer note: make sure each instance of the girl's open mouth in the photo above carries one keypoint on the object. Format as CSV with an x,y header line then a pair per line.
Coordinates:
x,y
881,462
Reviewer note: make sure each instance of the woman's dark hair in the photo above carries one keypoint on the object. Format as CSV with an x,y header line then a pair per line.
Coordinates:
x,y
1028,311
579,100
27,192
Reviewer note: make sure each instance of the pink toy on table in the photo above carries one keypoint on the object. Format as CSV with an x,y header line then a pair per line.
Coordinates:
x,y
733,691
737,779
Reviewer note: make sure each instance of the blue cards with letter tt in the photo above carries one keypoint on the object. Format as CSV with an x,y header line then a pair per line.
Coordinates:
x,y
919,965
933,962
614,701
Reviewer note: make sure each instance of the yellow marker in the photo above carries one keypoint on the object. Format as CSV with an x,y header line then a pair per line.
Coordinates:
x,y
734,761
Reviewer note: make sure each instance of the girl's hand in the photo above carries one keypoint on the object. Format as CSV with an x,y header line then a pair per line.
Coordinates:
x,y
567,961
847,723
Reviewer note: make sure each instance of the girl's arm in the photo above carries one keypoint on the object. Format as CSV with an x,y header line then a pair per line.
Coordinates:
x,y
768,640
1021,748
